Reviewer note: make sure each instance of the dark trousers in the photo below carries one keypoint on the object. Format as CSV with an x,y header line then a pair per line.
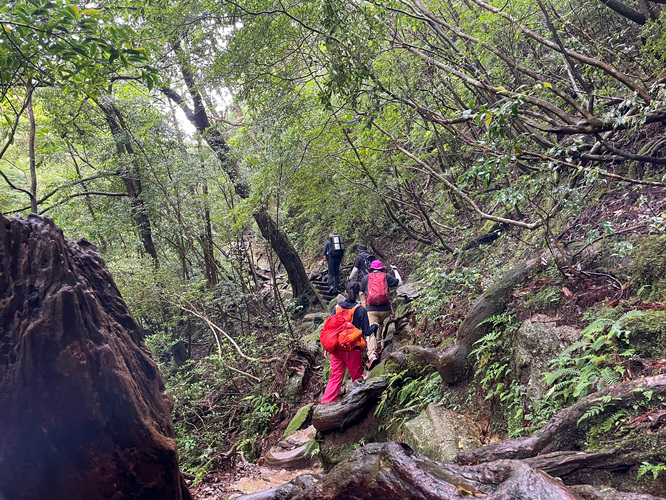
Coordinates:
x,y
334,273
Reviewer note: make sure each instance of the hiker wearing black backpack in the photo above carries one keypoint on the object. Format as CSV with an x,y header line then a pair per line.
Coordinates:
x,y
362,263
334,249
343,336
375,286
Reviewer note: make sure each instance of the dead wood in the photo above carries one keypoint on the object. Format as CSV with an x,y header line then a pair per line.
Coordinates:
x,y
351,408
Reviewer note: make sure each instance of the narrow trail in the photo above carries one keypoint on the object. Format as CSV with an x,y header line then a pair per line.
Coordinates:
x,y
244,480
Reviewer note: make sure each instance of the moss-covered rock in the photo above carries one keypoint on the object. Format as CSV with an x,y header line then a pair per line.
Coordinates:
x,y
299,419
648,269
647,334
383,368
337,446
441,434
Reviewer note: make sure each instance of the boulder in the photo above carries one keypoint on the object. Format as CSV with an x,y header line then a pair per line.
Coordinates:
x,y
441,434
409,291
537,341
299,438
84,413
316,318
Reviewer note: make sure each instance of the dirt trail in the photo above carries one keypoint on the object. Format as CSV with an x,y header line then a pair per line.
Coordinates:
x,y
244,480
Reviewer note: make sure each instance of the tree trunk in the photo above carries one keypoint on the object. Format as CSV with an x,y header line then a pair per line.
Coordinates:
x,y
303,292
130,178
31,150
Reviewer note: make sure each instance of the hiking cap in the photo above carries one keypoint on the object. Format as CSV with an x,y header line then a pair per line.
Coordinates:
x,y
362,248
377,265
353,286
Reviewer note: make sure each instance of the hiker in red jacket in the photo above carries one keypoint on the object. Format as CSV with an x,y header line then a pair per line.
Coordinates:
x,y
349,360
375,286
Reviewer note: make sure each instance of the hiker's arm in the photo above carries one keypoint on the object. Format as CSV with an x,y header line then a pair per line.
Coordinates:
x,y
352,274
397,276
361,316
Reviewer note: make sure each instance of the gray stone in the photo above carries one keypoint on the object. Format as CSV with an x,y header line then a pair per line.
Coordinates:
x,y
316,318
441,434
537,341
298,458
408,290
299,438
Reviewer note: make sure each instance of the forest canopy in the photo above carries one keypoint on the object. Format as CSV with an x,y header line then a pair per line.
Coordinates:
x,y
208,148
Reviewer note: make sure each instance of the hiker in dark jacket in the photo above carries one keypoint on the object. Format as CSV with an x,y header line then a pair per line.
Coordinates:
x,y
361,263
333,258
378,310
349,360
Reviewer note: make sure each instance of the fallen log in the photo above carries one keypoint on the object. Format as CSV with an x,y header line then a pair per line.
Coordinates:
x,y
393,471
351,408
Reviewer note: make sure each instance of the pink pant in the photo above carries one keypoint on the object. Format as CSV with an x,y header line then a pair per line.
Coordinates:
x,y
341,361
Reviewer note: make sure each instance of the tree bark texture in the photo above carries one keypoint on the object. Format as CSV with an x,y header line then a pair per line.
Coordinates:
x,y
131,178
393,471
351,408
84,414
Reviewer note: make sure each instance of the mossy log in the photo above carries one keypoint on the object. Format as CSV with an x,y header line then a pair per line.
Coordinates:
x,y
393,471
563,432
452,362
351,408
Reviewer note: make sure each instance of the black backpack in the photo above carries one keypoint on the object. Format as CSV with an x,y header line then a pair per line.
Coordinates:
x,y
368,260
337,248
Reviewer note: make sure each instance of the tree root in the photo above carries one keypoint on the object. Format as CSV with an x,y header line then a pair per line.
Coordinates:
x,y
393,471
562,431
350,409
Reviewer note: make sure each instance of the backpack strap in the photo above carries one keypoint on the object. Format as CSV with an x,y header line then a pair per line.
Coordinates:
x,y
352,311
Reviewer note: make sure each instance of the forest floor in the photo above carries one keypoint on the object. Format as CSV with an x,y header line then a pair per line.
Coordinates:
x,y
244,480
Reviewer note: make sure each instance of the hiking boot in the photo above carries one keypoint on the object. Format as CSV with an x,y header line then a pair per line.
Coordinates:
x,y
372,363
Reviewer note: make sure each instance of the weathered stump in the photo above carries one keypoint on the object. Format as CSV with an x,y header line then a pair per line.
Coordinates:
x,y
83,410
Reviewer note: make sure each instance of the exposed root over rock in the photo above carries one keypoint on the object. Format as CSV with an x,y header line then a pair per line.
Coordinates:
x,y
350,409
562,431
393,471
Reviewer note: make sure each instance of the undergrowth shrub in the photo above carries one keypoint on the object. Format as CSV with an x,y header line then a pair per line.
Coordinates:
x,y
492,373
443,291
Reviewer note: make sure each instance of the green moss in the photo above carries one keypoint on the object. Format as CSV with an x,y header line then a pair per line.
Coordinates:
x,y
383,368
546,298
297,422
647,333
648,270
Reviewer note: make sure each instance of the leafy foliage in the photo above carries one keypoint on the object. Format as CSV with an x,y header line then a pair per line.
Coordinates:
x,y
592,363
